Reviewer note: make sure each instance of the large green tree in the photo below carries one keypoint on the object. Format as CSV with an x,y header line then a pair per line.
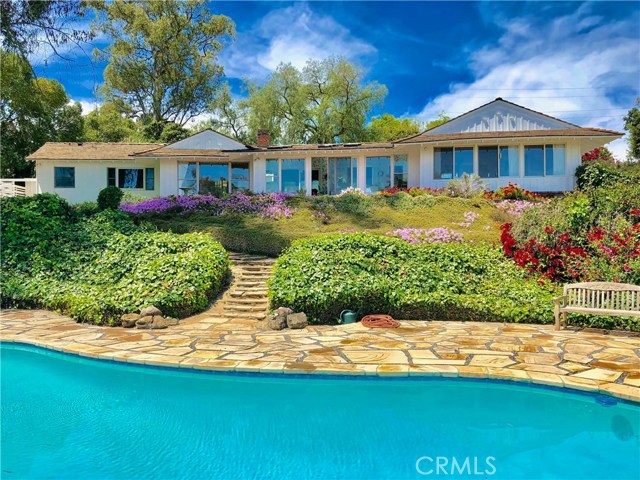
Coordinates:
x,y
387,128
632,125
32,111
326,101
162,60
27,25
107,124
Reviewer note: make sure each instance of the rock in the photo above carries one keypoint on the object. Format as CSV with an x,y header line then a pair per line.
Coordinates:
x,y
144,322
162,322
128,320
297,320
277,322
283,311
150,311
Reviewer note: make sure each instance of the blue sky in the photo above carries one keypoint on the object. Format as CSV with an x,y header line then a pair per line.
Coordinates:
x,y
577,61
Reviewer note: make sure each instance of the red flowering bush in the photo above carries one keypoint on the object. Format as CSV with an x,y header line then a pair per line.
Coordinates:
x,y
601,154
598,254
513,192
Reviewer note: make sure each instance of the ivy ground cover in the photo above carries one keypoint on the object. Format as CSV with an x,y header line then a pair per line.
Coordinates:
x,y
379,274
95,269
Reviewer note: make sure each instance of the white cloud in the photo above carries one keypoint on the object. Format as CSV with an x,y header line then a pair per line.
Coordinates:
x,y
88,105
578,67
293,35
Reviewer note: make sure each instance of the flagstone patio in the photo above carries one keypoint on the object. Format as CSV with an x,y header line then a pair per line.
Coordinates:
x,y
584,360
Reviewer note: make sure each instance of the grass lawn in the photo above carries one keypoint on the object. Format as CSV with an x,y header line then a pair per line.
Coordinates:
x,y
248,233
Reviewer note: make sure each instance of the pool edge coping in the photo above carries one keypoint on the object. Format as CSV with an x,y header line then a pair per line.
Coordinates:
x,y
393,371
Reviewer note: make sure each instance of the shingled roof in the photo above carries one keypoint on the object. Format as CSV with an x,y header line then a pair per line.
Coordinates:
x,y
90,150
569,132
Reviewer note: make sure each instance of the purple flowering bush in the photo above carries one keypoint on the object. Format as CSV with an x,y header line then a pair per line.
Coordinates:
x,y
266,205
427,235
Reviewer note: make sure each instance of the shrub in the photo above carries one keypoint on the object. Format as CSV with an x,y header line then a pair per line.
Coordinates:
x,y
375,274
467,186
594,174
95,269
109,198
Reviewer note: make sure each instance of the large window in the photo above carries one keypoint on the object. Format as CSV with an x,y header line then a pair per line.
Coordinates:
x,y
509,162
463,161
343,173
293,175
130,177
187,174
273,177
213,178
450,162
378,173
64,177
239,177
542,160
149,178
488,162
400,171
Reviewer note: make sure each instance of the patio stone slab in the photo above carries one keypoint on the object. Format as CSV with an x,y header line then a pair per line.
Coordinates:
x,y
607,362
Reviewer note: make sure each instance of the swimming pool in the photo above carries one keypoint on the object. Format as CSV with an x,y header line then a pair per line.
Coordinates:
x,y
68,417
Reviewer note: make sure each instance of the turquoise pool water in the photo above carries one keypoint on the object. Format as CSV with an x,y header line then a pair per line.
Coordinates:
x,y
68,417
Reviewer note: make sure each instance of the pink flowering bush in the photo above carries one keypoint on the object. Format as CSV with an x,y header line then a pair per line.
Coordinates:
x,y
515,207
469,218
266,205
427,235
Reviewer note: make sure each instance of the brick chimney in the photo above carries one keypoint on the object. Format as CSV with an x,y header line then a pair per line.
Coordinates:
x,y
264,138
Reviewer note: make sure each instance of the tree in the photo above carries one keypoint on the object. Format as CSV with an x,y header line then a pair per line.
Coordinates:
x,y
165,132
388,128
232,116
32,112
632,125
442,118
107,124
325,102
162,59
26,25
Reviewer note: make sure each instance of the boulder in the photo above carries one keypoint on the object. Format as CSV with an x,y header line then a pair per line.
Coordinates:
x,y
144,322
128,320
151,310
162,322
297,320
283,311
277,322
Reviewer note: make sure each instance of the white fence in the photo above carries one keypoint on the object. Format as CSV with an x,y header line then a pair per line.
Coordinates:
x,y
18,187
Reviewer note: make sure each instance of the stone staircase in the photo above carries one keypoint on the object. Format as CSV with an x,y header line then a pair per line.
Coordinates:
x,y
246,297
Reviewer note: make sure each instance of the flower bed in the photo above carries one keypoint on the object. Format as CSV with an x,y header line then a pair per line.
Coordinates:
x,y
266,205
427,235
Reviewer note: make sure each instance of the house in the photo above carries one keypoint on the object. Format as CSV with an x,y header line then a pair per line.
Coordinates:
x,y
501,142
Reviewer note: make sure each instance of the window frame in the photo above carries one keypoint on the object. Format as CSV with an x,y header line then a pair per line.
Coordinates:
x,y
131,188
146,178
544,147
73,177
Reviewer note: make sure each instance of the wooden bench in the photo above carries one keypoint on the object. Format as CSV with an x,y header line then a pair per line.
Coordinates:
x,y
598,298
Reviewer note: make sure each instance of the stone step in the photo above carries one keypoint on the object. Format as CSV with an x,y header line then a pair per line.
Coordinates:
x,y
236,294
244,308
242,300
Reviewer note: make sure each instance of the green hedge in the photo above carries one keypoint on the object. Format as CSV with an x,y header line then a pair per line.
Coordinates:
x,y
376,274
95,269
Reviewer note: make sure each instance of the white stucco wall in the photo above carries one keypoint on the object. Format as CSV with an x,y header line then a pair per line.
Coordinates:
x,y
90,177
